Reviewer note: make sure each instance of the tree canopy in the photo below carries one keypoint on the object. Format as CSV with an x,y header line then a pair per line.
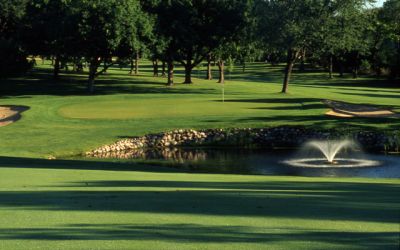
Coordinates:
x,y
339,35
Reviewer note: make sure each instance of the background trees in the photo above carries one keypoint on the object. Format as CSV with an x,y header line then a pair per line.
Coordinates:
x,y
389,51
102,25
12,50
196,27
137,35
295,23
50,30
341,36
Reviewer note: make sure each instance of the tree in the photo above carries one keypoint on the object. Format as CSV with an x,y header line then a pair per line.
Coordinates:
x,y
390,49
50,30
343,34
137,36
295,26
247,44
156,49
194,28
12,50
102,26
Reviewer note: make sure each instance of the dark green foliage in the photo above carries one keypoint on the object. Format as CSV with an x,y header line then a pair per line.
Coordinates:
x,y
138,34
12,54
11,13
194,28
389,52
13,59
51,30
102,27
340,35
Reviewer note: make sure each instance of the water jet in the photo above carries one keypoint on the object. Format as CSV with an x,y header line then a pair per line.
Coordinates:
x,y
329,149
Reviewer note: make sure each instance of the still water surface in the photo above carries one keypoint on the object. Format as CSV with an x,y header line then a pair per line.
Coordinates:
x,y
258,161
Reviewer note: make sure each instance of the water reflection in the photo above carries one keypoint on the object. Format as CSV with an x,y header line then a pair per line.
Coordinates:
x,y
251,161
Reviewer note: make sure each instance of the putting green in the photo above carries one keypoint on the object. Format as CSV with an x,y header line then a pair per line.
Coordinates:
x,y
163,108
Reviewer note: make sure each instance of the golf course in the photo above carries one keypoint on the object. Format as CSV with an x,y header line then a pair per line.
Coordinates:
x,y
199,124
51,200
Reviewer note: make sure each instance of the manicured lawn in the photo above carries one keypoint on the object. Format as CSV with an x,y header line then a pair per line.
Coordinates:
x,y
76,204
97,205
63,120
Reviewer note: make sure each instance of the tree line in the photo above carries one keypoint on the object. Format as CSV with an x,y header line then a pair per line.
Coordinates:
x,y
339,35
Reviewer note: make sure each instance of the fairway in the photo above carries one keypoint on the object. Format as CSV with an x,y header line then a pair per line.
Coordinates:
x,y
172,106
86,204
105,205
199,125
64,122
175,106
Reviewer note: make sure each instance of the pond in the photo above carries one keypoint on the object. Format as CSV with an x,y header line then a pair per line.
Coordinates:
x,y
257,161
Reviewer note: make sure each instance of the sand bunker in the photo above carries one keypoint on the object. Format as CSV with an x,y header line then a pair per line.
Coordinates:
x,y
10,114
343,109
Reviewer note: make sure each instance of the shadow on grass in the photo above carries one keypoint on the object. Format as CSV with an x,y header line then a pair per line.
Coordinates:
x,y
276,198
324,121
330,200
325,201
319,121
370,82
40,82
297,107
198,233
394,95
73,164
274,100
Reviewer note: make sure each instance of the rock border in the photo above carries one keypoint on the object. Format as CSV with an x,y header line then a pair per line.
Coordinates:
x,y
269,138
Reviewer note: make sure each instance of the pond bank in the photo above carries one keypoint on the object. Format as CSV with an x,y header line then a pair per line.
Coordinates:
x,y
268,138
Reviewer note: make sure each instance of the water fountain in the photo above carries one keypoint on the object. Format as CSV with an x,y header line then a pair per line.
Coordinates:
x,y
330,149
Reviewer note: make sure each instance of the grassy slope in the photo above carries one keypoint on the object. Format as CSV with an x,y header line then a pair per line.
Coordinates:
x,y
62,205
126,106
99,205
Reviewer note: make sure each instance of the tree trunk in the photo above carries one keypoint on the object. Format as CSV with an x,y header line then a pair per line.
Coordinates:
x,y
105,67
94,64
221,69
170,73
209,72
188,73
137,63
155,67
56,71
291,58
188,69
132,66
330,67
163,69
90,86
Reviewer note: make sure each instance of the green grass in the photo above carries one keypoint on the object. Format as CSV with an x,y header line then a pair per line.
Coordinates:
x,y
76,204
104,205
63,120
